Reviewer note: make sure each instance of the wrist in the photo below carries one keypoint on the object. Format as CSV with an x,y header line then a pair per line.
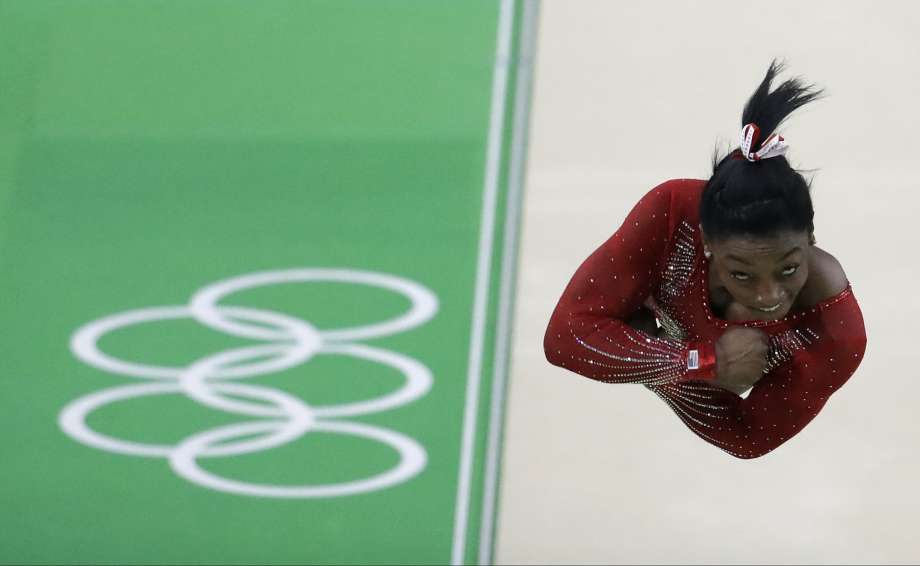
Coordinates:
x,y
701,361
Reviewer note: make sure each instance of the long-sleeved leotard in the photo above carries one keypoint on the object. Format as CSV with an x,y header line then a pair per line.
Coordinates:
x,y
655,260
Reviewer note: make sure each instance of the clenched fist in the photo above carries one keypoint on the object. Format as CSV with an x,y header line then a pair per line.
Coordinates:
x,y
741,358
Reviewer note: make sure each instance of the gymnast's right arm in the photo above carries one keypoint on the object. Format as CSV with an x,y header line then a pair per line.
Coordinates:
x,y
588,333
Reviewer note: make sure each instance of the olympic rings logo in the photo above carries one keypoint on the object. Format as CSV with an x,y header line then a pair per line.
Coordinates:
x,y
279,417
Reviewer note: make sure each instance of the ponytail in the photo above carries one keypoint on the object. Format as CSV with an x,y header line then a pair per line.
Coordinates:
x,y
760,197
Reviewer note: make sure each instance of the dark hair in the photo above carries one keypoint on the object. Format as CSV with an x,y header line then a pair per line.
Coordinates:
x,y
760,198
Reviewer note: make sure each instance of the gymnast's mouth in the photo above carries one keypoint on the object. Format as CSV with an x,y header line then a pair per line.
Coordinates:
x,y
770,309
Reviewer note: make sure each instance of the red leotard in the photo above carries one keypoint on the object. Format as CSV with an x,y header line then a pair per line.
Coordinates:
x,y
656,260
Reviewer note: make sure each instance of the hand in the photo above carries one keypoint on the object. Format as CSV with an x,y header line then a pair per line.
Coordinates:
x,y
741,358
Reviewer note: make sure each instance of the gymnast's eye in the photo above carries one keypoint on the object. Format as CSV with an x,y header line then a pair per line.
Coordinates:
x,y
788,272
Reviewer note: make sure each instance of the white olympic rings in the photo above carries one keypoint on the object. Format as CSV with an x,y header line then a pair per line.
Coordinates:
x,y
281,417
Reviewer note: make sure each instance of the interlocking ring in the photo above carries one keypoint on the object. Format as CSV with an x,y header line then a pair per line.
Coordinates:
x,y
280,418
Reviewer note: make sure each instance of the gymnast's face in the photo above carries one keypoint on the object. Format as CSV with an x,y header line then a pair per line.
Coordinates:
x,y
763,275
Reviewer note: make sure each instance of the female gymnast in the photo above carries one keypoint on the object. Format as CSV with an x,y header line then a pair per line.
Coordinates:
x,y
743,298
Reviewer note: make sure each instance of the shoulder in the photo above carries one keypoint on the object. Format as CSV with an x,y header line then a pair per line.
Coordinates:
x,y
683,187
679,196
826,277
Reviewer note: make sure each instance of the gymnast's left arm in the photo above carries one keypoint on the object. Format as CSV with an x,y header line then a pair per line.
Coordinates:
x,y
821,361
807,365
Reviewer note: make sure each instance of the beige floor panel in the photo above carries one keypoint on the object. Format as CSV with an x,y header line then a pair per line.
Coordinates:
x,y
629,94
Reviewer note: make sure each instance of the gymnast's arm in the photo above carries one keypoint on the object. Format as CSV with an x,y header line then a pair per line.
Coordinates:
x,y
589,331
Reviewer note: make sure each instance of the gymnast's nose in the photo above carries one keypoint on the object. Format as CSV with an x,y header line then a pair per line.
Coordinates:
x,y
769,297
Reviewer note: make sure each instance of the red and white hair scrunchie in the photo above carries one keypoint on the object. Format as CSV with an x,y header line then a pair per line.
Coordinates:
x,y
773,146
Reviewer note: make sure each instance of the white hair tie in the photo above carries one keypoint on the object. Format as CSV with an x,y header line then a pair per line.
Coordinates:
x,y
772,146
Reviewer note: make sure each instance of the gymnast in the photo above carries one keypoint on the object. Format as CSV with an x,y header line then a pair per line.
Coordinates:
x,y
714,288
